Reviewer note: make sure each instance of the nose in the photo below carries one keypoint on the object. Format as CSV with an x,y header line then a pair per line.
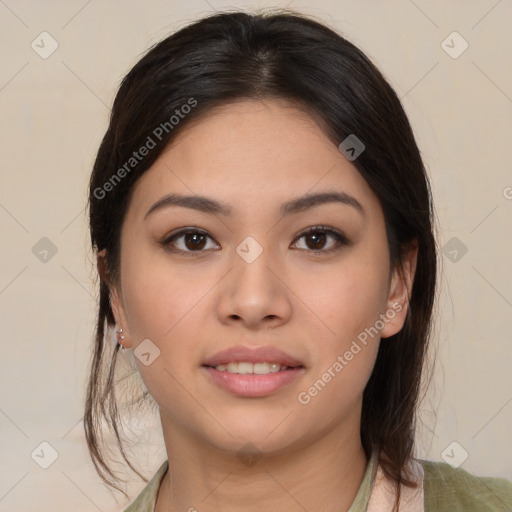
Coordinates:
x,y
255,292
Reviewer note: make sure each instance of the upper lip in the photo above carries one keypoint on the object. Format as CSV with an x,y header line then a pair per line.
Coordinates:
x,y
265,354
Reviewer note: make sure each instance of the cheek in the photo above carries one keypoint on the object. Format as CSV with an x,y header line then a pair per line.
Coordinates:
x,y
344,358
158,296
348,299
162,306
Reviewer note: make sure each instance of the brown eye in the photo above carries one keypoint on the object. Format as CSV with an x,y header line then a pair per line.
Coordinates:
x,y
317,237
190,241
193,240
317,240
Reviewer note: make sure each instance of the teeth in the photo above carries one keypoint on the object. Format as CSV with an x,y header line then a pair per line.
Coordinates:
x,y
256,368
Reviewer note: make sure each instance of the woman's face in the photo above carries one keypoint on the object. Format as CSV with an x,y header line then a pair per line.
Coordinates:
x,y
250,277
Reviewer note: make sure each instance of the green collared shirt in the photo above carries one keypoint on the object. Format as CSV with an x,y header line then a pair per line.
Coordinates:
x,y
446,489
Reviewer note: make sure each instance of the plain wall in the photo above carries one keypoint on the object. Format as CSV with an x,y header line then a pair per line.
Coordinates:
x,y
54,113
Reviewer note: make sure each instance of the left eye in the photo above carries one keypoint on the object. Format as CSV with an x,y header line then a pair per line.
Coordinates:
x,y
318,235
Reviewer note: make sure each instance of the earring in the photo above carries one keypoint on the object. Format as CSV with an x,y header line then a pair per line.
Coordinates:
x,y
120,337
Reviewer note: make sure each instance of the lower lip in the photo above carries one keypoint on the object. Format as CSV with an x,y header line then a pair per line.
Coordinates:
x,y
253,385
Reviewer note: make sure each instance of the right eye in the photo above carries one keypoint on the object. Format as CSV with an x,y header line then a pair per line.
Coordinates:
x,y
194,240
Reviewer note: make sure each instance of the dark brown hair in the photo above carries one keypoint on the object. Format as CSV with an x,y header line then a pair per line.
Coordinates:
x,y
231,56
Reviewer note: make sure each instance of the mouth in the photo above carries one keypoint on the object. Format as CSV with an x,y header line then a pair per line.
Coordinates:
x,y
252,372
249,368
247,359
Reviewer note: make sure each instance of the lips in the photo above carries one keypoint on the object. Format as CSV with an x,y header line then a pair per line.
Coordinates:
x,y
252,385
265,354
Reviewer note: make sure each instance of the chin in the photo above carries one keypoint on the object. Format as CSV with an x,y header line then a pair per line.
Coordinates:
x,y
268,437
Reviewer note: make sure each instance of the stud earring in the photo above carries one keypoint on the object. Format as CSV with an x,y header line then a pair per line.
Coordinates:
x,y
120,337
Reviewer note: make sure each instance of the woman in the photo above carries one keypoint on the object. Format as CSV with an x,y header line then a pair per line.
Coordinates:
x,y
264,235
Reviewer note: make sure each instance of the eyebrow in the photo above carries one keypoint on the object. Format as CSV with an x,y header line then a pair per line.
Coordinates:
x,y
299,204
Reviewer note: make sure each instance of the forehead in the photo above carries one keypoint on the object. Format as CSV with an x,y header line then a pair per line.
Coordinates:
x,y
251,154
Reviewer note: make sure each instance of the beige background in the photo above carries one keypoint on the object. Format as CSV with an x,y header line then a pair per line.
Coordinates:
x,y
53,115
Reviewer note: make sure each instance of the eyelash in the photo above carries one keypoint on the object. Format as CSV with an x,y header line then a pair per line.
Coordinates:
x,y
340,238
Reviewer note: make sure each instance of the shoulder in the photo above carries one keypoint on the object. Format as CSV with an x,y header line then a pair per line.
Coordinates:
x,y
146,500
455,489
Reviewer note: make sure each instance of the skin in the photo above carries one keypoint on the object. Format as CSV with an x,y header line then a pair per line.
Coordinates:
x,y
309,304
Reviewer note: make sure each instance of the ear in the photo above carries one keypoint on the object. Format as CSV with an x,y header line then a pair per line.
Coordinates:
x,y
399,292
115,296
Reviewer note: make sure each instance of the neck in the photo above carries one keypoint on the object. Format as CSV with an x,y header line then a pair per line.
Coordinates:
x,y
322,475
